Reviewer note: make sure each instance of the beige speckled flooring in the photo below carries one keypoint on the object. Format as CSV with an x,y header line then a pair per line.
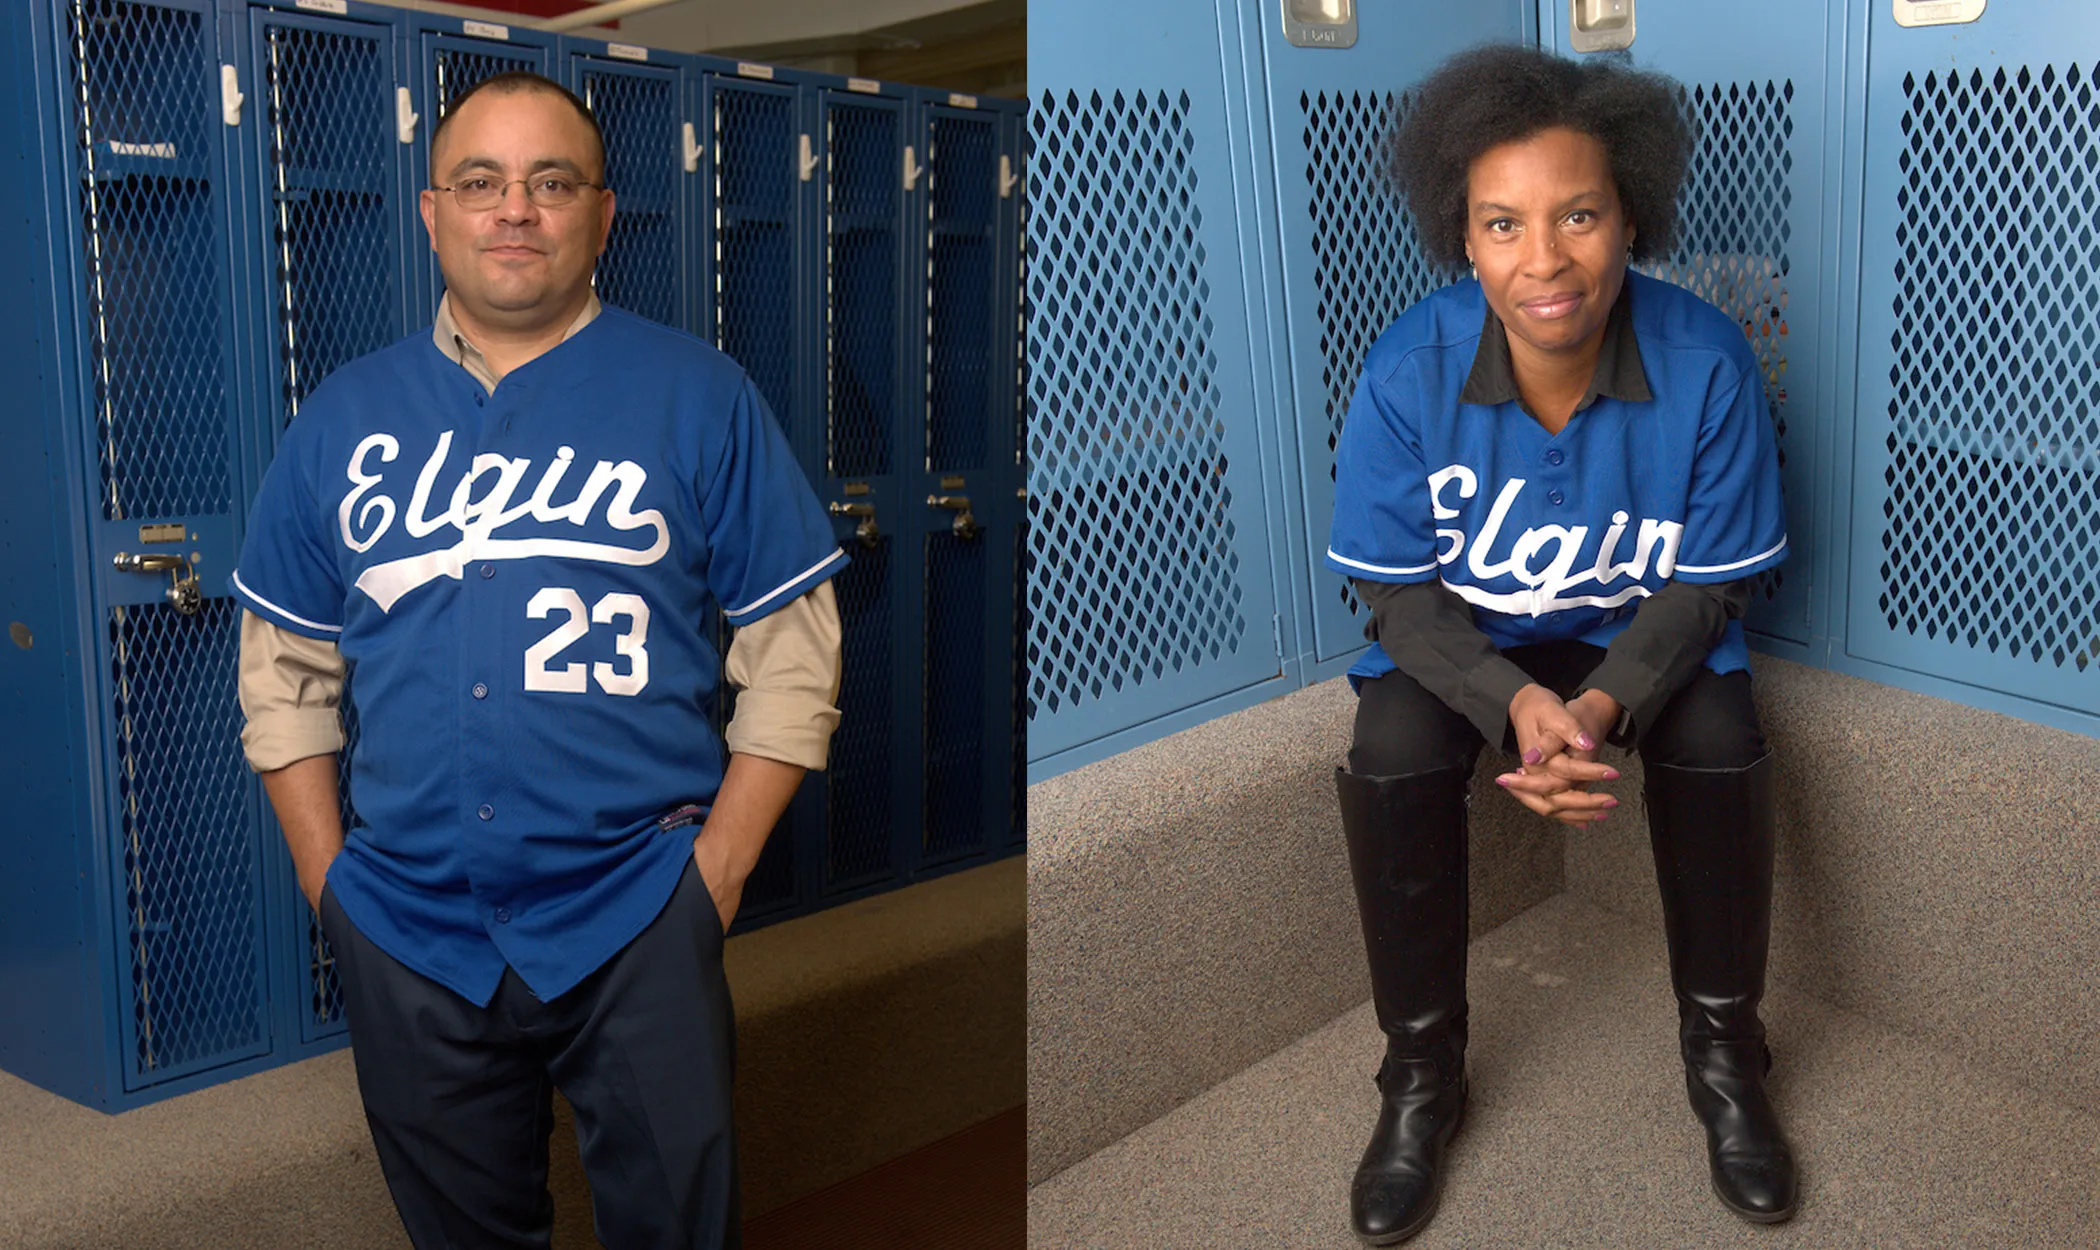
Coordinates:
x,y
1578,1134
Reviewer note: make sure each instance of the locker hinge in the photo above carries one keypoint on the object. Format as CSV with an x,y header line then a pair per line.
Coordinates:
x,y
230,97
1007,177
809,160
912,168
1276,634
692,150
405,117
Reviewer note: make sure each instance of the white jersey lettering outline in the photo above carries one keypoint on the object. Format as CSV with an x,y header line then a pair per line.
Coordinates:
x,y
1546,588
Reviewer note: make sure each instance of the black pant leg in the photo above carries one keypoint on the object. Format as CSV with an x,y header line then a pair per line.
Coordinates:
x,y
1710,724
646,1059
1402,729
459,1106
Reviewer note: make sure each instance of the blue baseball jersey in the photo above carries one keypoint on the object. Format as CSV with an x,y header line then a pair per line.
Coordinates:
x,y
524,585
1559,536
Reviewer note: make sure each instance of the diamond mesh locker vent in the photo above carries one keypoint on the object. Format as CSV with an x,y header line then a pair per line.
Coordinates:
x,y
456,70
330,144
1133,572
953,676
860,286
963,200
150,265
189,847
1367,263
639,270
1993,506
1732,227
754,142
857,803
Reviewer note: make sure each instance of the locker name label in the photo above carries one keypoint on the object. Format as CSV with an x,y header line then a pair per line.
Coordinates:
x,y
627,51
171,532
866,86
1937,12
961,101
341,8
747,69
488,30
859,488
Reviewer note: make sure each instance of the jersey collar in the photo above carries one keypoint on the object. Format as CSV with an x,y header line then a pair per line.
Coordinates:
x,y
1618,373
446,334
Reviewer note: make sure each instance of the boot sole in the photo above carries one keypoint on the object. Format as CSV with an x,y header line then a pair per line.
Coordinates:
x,y
1755,1217
1436,1199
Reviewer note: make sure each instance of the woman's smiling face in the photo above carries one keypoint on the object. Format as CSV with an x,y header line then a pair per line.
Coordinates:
x,y
1548,238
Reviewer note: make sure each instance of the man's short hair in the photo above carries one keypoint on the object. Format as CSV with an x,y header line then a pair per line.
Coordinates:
x,y
513,82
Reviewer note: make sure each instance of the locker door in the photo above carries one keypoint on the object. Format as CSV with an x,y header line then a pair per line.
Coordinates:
x,y
966,525
1351,264
329,165
154,231
1008,307
449,57
751,308
638,108
1751,228
1975,496
867,379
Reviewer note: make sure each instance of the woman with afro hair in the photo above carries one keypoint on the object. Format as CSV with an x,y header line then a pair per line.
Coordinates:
x,y
1556,482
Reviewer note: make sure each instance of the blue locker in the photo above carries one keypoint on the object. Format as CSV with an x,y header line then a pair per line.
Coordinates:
x,y
639,99
1973,558
1754,235
1151,535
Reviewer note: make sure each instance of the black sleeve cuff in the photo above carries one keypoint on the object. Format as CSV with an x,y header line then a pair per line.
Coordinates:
x,y
1430,635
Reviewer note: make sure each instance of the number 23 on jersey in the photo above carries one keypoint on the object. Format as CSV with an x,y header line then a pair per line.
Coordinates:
x,y
571,678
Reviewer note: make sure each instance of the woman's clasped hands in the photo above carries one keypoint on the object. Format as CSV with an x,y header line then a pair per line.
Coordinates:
x,y
1558,743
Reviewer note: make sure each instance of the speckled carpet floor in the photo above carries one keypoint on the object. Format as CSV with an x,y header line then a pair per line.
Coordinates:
x,y
1578,1134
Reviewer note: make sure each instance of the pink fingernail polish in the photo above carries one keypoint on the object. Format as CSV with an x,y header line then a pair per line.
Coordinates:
x,y
1532,756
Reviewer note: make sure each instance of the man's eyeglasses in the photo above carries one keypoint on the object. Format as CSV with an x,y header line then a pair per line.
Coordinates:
x,y
545,190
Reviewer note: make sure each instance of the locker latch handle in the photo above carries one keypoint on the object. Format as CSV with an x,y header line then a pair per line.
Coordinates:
x,y
965,525
866,530
184,591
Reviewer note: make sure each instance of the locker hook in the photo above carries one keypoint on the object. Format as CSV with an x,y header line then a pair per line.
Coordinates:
x,y
1007,177
692,150
866,531
912,168
230,97
184,591
809,160
405,117
965,525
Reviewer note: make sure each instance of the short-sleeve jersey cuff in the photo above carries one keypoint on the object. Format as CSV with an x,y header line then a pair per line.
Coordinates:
x,y
1734,570
1396,573
787,592
281,616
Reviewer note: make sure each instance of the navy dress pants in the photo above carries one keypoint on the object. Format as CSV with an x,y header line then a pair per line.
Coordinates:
x,y
460,1097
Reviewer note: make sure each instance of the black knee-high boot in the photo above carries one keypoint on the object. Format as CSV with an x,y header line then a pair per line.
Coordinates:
x,y
1407,853
1711,830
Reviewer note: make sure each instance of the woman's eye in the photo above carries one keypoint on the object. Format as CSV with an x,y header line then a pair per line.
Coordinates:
x,y
1501,225
1581,217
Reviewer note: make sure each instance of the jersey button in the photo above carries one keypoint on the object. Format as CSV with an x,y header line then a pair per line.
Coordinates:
x,y
481,690
1555,498
486,812
503,915
1555,456
488,570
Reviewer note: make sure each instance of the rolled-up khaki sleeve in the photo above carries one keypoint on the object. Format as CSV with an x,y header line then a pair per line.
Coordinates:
x,y
291,689
786,666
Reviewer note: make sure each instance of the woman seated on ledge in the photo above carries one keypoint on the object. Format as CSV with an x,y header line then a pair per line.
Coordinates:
x,y
1554,486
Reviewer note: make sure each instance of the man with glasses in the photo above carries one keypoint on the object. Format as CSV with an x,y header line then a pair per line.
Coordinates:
x,y
514,531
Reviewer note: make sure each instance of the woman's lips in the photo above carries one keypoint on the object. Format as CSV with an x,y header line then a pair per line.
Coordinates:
x,y
1552,307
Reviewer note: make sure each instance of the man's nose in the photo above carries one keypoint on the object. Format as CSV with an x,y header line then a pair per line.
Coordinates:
x,y
516,204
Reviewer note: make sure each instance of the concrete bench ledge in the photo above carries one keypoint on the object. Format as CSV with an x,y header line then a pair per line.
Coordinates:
x,y
1190,909
863,1032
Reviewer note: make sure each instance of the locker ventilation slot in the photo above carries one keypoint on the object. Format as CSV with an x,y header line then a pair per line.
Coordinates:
x,y
754,241
190,876
1134,574
639,115
143,97
1732,231
331,221
860,287
962,164
1367,263
455,71
858,816
954,695
1993,506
